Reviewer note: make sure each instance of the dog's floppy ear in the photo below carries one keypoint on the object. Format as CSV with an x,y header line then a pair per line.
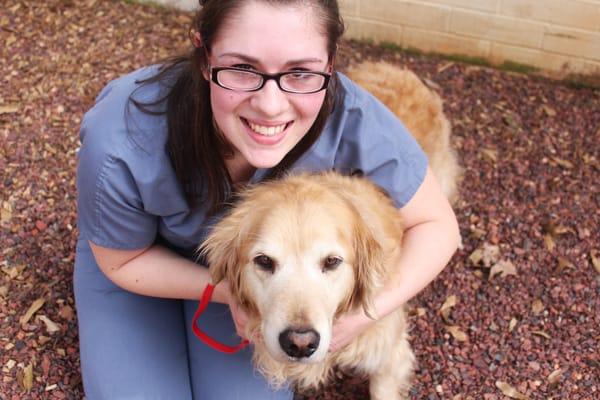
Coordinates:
x,y
369,261
377,234
224,247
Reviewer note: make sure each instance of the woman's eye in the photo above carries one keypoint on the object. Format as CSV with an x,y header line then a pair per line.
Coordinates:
x,y
331,262
243,66
264,262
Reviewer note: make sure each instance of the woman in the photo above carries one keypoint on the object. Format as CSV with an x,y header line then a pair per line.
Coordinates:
x,y
163,149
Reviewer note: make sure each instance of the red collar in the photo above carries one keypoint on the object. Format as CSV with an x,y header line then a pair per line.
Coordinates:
x,y
204,300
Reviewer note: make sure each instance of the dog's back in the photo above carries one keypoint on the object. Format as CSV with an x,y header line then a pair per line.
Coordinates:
x,y
420,110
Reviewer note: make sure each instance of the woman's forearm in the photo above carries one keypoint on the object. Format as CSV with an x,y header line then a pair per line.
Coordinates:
x,y
157,272
426,249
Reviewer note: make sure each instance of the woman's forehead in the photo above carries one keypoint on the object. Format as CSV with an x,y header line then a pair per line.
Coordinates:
x,y
274,33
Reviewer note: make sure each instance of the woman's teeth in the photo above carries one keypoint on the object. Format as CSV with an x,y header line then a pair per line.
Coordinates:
x,y
266,130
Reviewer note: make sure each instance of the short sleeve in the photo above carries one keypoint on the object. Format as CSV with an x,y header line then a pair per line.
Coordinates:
x,y
110,209
362,134
110,206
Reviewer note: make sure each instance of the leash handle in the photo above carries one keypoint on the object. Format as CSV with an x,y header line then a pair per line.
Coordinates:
x,y
204,300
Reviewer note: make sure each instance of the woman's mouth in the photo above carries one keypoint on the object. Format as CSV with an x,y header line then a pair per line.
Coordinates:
x,y
265,130
267,135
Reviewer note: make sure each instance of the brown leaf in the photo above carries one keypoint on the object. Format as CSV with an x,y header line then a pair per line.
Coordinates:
x,y
457,333
555,376
504,268
447,307
51,326
595,259
510,391
511,120
13,271
46,365
67,313
563,264
27,381
549,110
537,306
488,254
563,163
490,154
5,212
512,324
549,242
542,334
9,109
33,308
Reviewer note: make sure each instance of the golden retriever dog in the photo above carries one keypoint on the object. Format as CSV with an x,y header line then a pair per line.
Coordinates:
x,y
297,253
300,251
420,109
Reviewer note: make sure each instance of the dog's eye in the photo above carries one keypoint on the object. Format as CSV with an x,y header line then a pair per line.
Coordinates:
x,y
331,262
264,262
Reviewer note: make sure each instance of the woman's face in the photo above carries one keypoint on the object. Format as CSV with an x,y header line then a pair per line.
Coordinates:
x,y
263,126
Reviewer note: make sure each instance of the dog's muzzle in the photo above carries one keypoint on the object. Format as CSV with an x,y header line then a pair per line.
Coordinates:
x,y
299,343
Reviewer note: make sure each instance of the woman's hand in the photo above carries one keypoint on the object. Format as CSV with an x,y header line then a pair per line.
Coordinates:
x,y
239,316
348,327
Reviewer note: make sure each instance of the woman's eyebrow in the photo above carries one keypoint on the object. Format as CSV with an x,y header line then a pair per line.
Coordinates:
x,y
255,61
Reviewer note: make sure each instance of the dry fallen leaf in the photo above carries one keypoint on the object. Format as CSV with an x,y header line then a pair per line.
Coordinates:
x,y
542,334
490,154
8,109
67,312
563,163
510,391
504,268
537,306
5,212
13,271
548,110
554,378
27,381
457,333
512,324
488,254
51,326
549,242
33,308
447,307
563,264
595,261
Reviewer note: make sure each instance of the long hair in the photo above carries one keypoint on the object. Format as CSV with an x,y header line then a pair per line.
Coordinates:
x,y
196,149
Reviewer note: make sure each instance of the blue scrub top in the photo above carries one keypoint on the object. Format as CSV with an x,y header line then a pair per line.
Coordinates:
x,y
129,196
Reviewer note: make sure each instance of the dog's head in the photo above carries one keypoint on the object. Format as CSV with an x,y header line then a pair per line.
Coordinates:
x,y
299,251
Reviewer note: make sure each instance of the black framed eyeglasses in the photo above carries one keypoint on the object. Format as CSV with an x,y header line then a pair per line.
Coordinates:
x,y
301,82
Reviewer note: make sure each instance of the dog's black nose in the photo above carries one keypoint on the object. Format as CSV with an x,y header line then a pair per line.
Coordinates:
x,y
299,343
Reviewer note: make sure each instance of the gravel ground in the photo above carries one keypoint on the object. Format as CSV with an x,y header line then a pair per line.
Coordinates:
x,y
514,315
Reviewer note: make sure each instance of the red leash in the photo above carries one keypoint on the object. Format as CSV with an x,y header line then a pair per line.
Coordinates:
x,y
204,300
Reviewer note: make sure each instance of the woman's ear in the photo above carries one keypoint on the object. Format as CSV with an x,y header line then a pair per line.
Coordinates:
x,y
196,38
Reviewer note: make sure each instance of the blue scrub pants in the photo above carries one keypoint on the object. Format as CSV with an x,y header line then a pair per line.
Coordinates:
x,y
138,347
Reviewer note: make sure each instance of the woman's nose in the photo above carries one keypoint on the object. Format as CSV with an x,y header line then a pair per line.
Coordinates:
x,y
270,100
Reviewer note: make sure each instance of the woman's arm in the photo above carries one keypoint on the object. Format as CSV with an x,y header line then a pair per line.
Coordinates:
x,y
156,271
430,239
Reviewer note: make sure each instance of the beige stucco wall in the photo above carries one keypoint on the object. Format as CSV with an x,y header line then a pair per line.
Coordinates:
x,y
553,35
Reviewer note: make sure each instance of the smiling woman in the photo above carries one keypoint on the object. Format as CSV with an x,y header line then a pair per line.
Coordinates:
x,y
163,151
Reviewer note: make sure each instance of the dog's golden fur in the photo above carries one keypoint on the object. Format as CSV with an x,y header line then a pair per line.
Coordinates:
x,y
300,221
420,109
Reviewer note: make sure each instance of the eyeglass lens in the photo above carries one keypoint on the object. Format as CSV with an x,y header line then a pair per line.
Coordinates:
x,y
299,82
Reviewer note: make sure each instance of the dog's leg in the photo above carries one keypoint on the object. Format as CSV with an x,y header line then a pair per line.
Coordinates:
x,y
392,380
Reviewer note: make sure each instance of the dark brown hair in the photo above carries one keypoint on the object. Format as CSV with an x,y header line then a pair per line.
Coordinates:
x,y
196,149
